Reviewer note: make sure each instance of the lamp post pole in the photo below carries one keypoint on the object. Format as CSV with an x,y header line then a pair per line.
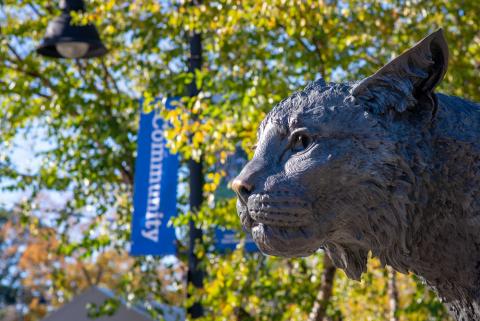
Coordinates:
x,y
195,273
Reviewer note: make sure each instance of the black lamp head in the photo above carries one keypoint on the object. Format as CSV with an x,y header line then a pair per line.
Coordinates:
x,y
64,40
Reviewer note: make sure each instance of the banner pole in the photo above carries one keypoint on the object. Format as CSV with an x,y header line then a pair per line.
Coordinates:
x,y
196,181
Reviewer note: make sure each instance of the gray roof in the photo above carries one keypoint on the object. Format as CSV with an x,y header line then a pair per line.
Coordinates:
x,y
76,310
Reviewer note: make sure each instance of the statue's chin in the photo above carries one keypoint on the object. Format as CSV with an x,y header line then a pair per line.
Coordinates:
x,y
285,241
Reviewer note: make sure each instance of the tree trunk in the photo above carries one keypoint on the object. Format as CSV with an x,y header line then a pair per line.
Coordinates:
x,y
392,294
326,286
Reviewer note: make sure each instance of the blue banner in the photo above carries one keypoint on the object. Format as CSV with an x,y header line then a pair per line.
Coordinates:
x,y
227,240
155,189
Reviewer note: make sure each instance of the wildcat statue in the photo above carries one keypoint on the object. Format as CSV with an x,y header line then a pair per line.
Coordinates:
x,y
383,165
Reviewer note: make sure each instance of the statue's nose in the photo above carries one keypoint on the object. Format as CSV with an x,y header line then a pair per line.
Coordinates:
x,y
242,188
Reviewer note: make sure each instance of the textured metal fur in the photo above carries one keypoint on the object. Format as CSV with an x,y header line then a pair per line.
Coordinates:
x,y
390,168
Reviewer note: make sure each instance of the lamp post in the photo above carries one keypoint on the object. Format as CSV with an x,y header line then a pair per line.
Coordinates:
x,y
64,40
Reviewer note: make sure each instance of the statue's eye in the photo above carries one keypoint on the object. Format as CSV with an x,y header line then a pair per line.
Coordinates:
x,y
300,142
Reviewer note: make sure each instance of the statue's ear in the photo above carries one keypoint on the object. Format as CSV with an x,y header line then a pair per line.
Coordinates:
x,y
409,79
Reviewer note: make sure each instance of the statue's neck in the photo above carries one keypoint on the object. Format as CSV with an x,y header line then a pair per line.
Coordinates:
x,y
444,237
446,254
464,310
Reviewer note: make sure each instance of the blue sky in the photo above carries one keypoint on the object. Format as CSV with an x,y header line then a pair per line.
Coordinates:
x,y
23,153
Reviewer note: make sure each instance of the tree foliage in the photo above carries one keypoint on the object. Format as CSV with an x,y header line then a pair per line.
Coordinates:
x,y
255,53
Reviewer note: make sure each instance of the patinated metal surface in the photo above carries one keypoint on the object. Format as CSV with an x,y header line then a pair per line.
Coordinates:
x,y
383,165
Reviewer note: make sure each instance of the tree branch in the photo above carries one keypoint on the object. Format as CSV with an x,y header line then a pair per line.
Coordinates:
x,y
32,73
99,274
317,43
392,294
15,53
48,97
34,9
317,49
373,60
126,175
86,274
108,76
321,302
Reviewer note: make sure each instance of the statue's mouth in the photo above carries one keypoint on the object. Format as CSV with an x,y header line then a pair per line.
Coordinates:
x,y
282,210
281,223
284,241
